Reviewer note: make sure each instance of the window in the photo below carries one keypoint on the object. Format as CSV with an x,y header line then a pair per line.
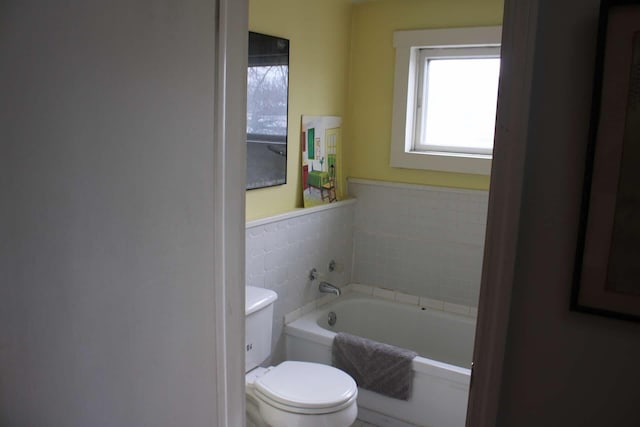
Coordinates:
x,y
445,96
456,100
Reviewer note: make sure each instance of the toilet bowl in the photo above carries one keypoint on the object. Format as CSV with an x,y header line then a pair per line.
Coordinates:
x,y
302,394
291,394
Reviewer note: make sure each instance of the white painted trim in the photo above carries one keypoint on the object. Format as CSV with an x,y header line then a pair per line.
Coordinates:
x,y
478,164
518,46
229,208
421,187
407,44
299,212
449,37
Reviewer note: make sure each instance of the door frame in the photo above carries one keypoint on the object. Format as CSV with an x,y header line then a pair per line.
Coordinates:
x,y
518,46
503,218
230,159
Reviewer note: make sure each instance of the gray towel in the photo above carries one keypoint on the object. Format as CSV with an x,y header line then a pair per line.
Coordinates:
x,y
375,366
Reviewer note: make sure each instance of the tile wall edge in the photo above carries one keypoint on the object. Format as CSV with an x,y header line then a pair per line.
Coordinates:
x,y
388,294
422,187
299,212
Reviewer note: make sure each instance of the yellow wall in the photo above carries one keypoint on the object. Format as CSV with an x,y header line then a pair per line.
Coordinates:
x,y
318,31
342,64
368,120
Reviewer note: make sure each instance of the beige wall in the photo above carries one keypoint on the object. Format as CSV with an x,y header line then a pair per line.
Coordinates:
x,y
107,298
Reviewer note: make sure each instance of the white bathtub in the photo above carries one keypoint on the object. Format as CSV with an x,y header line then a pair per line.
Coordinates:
x,y
444,342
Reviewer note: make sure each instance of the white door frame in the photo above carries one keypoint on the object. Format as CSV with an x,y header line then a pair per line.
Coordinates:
x,y
518,44
507,174
229,204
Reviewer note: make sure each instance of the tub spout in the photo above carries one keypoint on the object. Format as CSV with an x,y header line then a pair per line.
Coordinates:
x,y
329,288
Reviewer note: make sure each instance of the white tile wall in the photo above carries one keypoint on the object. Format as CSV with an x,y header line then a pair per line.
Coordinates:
x,y
281,251
413,240
419,240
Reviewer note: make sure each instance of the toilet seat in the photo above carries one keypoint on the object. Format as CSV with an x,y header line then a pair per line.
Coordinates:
x,y
306,388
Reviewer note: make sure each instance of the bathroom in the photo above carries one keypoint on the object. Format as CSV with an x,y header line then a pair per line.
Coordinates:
x,y
123,225
406,234
122,261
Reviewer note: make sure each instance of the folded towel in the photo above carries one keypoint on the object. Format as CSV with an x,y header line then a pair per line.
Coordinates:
x,y
375,366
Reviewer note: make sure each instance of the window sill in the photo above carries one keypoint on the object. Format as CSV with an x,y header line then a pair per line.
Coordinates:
x,y
479,164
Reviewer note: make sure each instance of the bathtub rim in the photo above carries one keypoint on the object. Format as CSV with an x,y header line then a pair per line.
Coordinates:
x,y
307,327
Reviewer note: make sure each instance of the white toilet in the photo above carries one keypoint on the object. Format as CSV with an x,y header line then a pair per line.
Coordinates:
x,y
291,394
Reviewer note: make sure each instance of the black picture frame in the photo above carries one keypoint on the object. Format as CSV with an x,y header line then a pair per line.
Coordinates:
x,y
267,110
607,268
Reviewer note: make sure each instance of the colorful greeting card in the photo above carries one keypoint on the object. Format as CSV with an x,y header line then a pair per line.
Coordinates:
x,y
320,138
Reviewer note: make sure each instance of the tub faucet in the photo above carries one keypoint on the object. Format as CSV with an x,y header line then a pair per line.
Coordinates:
x,y
329,288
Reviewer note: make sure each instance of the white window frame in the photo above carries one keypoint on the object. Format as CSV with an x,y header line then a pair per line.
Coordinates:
x,y
408,46
425,55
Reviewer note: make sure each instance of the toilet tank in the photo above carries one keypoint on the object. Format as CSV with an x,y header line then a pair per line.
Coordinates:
x,y
258,325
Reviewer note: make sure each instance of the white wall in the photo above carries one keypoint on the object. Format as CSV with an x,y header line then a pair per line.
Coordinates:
x,y
106,302
420,240
282,250
562,368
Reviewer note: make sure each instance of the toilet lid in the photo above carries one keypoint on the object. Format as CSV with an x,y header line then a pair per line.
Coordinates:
x,y
306,386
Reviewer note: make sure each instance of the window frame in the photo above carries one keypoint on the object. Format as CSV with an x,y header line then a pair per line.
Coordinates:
x,y
425,56
408,45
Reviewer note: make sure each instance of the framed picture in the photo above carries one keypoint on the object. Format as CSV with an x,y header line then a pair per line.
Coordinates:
x,y
607,270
